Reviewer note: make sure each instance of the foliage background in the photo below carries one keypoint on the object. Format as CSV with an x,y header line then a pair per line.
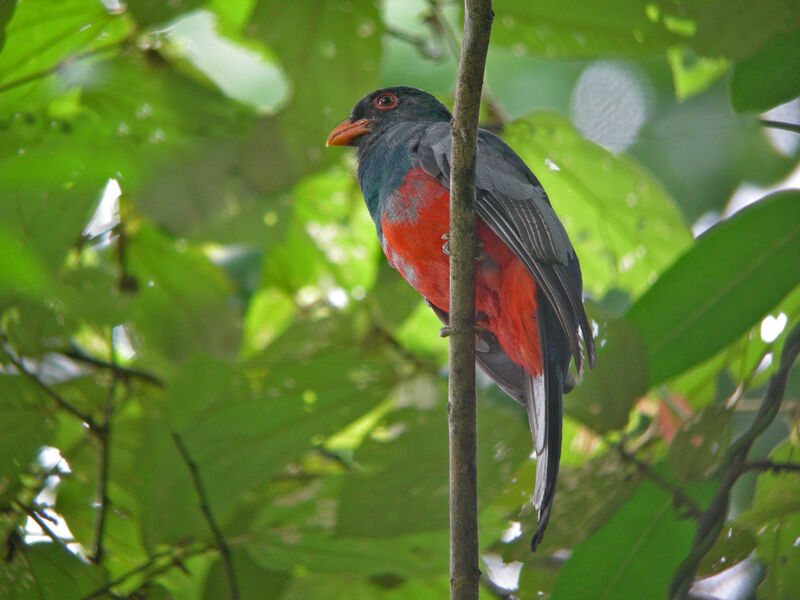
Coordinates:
x,y
184,267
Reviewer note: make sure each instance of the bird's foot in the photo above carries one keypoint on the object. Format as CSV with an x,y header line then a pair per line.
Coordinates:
x,y
446,248
480,255
445,331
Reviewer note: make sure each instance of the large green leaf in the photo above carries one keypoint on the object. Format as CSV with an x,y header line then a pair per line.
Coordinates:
x,y
241,422
39,38
47,571
20,270
633,555
623,225
165,137
25,425
330,52
733,28
6,12
768,78
582,28
418,555
182,302
729,279
404,484
253,582
47,190
606,395
775,521
587,496
151,12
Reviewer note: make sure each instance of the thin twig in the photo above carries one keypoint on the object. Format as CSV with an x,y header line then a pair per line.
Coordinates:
x,y
793,127
768,465
681,498
712,519
461,406
421,44
206,510
104,439
122,372
53,395
70,59
441,23
497,115
178,556
32,513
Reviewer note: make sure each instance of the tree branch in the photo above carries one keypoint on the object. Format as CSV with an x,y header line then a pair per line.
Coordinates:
x,y
768,465
793,127
681,499
85,418
461,409
224,551
103,438
712,519
177,556
33,513
121,372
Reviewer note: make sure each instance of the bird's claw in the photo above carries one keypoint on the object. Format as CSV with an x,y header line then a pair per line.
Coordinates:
x,y
445,331
446,248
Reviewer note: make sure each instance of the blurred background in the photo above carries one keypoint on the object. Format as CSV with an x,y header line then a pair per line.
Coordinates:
x,y
213,386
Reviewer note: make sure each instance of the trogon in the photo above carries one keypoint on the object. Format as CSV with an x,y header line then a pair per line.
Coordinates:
x,y
530,319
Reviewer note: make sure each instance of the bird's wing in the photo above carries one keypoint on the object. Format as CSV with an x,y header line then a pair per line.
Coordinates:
x,y
510,200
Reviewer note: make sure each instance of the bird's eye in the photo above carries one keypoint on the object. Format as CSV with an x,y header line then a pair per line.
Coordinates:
x,y
385,101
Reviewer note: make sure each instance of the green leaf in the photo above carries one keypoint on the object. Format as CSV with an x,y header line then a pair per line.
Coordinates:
x,y
404,484
48,190
20,271
240,422
253,581
169,138
699,448
768,78
732,28
34,327
775,521
183,302
604,398
412,556
732,547
6,12
702,303
701,150
691,74
25,426
618,560
40,37
777,493
581,28
623,225
151,12
46,571
587,496
331,53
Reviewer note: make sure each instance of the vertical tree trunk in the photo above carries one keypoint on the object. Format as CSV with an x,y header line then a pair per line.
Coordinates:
x,y
461,409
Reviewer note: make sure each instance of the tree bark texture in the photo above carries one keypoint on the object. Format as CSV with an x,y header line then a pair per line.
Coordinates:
x,y
461,408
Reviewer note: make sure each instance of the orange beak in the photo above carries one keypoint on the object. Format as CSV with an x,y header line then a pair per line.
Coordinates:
x,y
347,131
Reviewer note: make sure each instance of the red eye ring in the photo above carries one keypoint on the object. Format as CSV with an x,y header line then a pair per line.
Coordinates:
x,y
386,101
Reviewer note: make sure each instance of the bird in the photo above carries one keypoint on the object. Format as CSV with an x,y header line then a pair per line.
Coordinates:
x,y
529,314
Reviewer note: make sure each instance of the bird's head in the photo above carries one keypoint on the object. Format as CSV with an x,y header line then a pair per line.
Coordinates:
x,y
382,108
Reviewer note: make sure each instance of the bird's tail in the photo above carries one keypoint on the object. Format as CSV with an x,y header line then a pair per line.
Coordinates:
x,y
543,396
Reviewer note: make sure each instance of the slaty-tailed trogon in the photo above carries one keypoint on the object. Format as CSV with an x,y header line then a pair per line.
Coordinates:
x,y
529,306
